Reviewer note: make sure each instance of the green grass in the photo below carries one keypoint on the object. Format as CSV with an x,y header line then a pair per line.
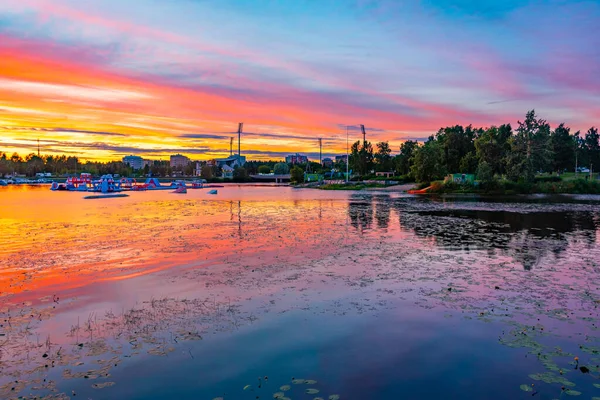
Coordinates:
x,y
504,187
350,186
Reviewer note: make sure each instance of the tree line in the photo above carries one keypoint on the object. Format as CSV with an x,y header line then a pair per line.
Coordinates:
x,y
490,153
62,165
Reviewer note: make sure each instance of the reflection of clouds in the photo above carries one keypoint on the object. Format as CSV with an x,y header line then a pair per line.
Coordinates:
x,y
514,230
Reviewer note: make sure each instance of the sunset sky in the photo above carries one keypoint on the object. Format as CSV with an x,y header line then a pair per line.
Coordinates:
x,y
103,79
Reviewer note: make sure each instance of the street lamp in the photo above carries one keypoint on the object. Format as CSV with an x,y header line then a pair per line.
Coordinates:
x,y
347,157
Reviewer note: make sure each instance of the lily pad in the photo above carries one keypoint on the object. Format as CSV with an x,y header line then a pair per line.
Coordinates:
x,y
285,388
526,388
312,391
572,392
102,385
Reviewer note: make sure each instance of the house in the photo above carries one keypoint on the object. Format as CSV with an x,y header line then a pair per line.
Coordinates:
x,y
227,171
327,163
386,174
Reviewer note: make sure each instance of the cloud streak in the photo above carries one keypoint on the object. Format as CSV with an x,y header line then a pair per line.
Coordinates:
x,y
114,77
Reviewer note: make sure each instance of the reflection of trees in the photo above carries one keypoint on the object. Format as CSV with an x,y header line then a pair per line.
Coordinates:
x,y
360,210
525,236
237,213
382,212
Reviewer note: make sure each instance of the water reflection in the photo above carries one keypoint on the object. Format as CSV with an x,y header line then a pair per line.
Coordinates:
x,y
382,213
525,231
361,213
236,214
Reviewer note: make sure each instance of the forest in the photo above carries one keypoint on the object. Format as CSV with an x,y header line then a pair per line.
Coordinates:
x,y
493,153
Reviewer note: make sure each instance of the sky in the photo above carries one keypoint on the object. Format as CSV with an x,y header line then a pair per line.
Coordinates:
x,y
107,78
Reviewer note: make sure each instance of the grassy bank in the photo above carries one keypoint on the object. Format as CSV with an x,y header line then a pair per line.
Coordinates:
x,y
351,186
539,186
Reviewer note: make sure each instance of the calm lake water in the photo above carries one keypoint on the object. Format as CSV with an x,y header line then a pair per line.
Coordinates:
x,y
272,292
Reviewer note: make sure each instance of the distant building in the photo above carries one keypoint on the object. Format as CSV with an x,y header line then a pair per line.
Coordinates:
x,y
386,174
149,163
197,168
296,159
179,161
341,159
227,171
135,162
327,162
231,161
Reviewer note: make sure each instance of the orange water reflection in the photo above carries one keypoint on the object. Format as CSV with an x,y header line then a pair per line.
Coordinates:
x,y
57,240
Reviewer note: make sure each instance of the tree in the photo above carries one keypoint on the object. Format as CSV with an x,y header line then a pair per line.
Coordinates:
x,y
563,148
456,143
492,147
485,173
383,158
403,161
240,174
468,164
297,174
581,155
34,165
361,157
592,145
281,169
206,172
529,149
428,162
264,169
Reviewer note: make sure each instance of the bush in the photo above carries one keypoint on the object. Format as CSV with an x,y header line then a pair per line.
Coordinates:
x,y
281,169
240,174
399,178
297,175
547,179
264,169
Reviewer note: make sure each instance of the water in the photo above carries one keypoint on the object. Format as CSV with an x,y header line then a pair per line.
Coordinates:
x,y
372,295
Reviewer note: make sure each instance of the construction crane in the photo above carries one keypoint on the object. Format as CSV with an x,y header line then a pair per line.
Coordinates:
x,y
240,128
362,128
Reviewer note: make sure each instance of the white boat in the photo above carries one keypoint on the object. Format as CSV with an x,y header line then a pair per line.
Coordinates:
x,y
3,182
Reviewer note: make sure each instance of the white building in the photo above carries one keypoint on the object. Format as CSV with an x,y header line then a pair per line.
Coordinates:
x,y
135,162
179,161
231,161
197,168
227,171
